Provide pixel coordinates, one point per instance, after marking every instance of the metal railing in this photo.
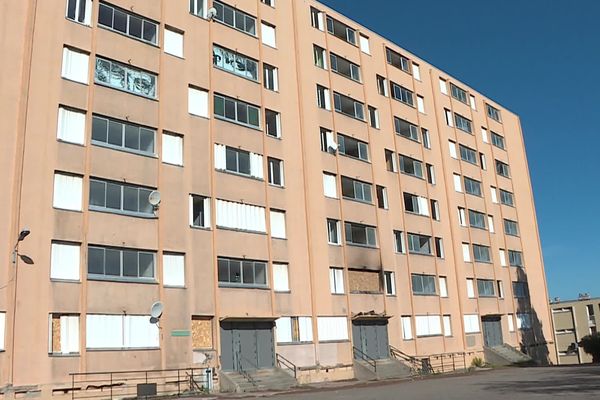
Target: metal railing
(119, 384)
(283, 362)
(358, 354)
(414, 363)
(242, 371)
(433, 363)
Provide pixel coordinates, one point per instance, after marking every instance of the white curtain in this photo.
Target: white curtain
(284, 329)
(75, 65)
(278, 224)
(457, 183)
(423, 206)
(332, 328)
(452, 148)
(174, 270)
(69, 334)
(240, 216)
(138, 332)
(173, 43)
(104, 331)
(220, 157)
(443, 287)
(64, 261)
(406, 328)
(67, 192)
(305, 328)
(256, 166)
(443, 86)
(503, 258)
(71, 126)
(172, 149)
(447, 326)
(268, 34)
(471, 323)
(470, 289)
(281, 278)
(198, 102)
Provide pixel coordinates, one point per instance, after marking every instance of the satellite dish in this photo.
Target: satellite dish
(211, 13)
(333, 146)
(156, 310)
(154, 320)
(154, 198)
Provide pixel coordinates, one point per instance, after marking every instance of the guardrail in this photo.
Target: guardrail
(287, 364)
(434, 363)
(370, 361)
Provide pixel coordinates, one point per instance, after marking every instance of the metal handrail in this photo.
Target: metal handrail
(281, 360)
(414, 362)
(371, 361)
(433, 363)
(243, 372)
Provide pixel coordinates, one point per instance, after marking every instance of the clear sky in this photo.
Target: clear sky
(541, 60)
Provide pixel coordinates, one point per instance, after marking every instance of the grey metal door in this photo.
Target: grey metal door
(492, 331)
(247, 345)
(371, 338)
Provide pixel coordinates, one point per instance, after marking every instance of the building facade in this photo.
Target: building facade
(283, 180)
(574, 319)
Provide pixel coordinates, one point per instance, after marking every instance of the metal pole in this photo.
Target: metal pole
(111, 386)
(72, 386)
(178, 384)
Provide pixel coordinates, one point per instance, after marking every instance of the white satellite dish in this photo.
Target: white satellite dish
(154, 198)
(211, 13)
(157, 309)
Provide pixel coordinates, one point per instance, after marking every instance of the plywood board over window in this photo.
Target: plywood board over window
(364, 281)
(202, 334)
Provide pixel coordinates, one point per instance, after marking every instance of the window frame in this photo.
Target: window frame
(121, 277)
(241, 284)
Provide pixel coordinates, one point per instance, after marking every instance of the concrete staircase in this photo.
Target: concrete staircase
(388, 368)
(505, 355)
(259, 380)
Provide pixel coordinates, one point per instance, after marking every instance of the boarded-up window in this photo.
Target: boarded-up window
(63, 334)
(202, 335)
(364, 281)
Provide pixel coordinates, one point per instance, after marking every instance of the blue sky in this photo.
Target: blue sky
(540, 59)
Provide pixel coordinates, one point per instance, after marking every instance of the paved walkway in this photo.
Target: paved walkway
(573, 383)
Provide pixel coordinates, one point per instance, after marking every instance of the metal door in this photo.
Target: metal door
(247, 345)
(371, 338)
(492, 331)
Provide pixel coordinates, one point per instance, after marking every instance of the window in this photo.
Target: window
(523, 320)
(410, 166)
(419, 244)
(500, 286)
(123, 135)
(507, 198)
(390, 283)
(332, 328)
(320, 56)
(457, 182)
(491, 223)
(423, 284)
(484, 135)
(462, 123)
(493, 113)
(237, 111)
(421, 104)
(472, 186)
(458, 93)
(199, 211)
(511, 322)
(202, 332)
(125, 77)
(316, 19)
(430, 173)
(244, 217)
(382, 201)
(482, 161)
(399, 242)
(439, 247)
(382, 87)
(270, 3)
(435, 210)
(481, 253)
(272, 123)
(502, 255)
(128, 23)
(281, 281)
(336, 280)
(198, 8)
(238, 161)
(334, 231)
(173, 42)
(79, 11)
(63, 332)
(344, 67)
(428, 325)
(198, 102)
(328, 143)
(467, 154)
(249, 273)
(235, 63)
(485, 288)
(447, 326)
(416, 204)
(462, 220)
(476, 219)
(515, 258)
(121, 332)
(120, 198)
(65, 261)
(402, 94)
(329, 185)
(502, 169)
(406, 328)
(235, 18)
(494, 194)
(511, 227)
(172, 149)
(75, 65)
(359, 234)
(173, 270)
(348, 106)
(397, 60)
(471, 323)
(71, 126)
(470, 288)
(390, 161)
(443, 286)
(364, 44)
(426, 139)
(498, 141)
(353, 148)
(67, 191)
(277, 219)
(520, 290)
(356, 190)
(448, 115)
(270, 77)
(443, 86)
(268, 34)
(406, 129)
(294, 330)
(452, 149)
(416, 71)
(111, 263)
(472, 102)
(373, 117)
(341, 31)
(323, 99)
(275, 171)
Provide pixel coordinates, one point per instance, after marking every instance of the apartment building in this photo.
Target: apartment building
(283, 180)
(574, 319)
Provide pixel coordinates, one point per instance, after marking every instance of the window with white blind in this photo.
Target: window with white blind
(443, 86)
(238, 161)
(329, 185)
(443, 282)
(199, 211)
(65, 261)
(198, 102)
(416, 204)
(281, 281)
(416, 71)
(472, 102)
(364, 44)
(484, 135)
(267, 32)
(67, 191)
(79, 11)
(75, 65)
(240, 216)
(407, 333)
(332, 328)
(447, 325)
(466, 249)
(428, 325)
(336, 280)
(502, 257)
(173, 270)
(491, 224)
(470, 288)
(277, 219)
(173, 42)
(172, 149)
(63, 334)
(494, 194)
(452, 149)
(457, 182)
(462, 219)
(71, 125)
(471, 323)
(120, 332)
(294, 330)
(421, 104)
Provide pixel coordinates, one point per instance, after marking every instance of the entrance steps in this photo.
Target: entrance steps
(258, 380)
(387, 368)
(505, 354)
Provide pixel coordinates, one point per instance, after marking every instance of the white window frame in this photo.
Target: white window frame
(336, 280)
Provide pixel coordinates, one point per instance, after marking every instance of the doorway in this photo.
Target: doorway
(492, 331)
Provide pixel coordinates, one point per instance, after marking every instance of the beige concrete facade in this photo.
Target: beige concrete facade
(35, 34)
(574, 319)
